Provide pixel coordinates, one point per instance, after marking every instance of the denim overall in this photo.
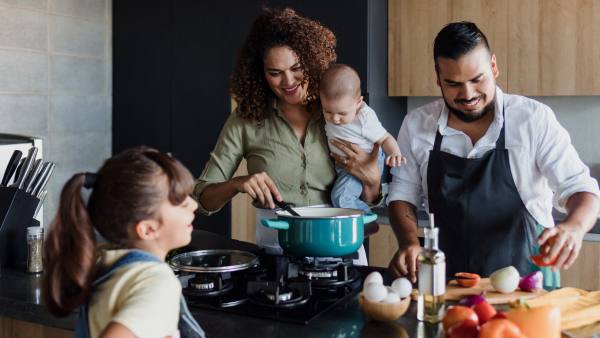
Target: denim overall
(188, 327)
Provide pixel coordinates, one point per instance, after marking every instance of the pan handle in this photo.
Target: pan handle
(275, 224)
(368, 218)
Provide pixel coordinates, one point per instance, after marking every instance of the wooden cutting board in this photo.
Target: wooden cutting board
(456, 292)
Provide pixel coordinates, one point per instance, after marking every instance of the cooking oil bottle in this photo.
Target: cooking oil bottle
(432, 277)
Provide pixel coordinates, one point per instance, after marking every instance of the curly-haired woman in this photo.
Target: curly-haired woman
(278, 126)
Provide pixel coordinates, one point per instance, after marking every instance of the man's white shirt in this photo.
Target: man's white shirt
(543, 162)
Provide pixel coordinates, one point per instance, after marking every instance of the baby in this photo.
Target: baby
(349, 118)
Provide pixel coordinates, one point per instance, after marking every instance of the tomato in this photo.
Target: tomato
(485, 312)
(467, 279)
(500, 328)
(545, 250)
(464, 329)
(458, 313)
(539, 260)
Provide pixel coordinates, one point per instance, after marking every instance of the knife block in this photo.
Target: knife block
(17, 209)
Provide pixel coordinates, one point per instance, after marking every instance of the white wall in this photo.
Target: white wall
(56, 81)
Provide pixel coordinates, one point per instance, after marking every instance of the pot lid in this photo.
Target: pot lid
(321, 212)
(214, 261)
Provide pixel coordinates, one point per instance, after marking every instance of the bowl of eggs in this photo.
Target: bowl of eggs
(384, 303)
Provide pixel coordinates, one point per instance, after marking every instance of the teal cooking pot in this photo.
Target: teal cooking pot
(320, 232)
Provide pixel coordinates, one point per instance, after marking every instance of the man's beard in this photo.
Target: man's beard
(472, 117)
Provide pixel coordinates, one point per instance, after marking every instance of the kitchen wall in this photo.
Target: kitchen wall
(55, 81)
(580, 115)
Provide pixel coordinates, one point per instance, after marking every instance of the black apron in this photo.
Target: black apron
(484, 225)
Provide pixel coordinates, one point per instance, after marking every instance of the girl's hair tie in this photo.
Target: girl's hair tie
(90, 180)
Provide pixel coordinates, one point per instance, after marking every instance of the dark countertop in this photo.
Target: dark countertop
(20, 299)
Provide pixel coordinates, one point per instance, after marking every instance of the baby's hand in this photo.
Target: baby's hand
(395, 160)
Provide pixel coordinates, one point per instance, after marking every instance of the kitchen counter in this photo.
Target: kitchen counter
(20, 299)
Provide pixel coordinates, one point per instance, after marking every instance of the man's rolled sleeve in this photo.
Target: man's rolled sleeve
(559, 162)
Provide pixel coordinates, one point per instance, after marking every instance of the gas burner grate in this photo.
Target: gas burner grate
(293, 298)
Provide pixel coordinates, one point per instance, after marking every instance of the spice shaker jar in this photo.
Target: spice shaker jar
(35, 240)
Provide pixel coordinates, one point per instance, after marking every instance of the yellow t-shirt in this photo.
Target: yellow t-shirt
(142, 296)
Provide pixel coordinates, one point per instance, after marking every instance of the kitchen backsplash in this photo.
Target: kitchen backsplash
(56, 82)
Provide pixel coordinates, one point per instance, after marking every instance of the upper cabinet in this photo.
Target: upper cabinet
(543, 47)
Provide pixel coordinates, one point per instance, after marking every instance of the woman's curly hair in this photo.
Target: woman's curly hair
(313, 43)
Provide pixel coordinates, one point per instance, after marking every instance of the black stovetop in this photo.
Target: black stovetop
(243, 299)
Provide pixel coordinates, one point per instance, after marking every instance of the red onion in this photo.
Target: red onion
(472, 300)
(531, 282)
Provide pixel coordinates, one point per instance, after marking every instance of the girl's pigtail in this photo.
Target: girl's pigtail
(69, 252)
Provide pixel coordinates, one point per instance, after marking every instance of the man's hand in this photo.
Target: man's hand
(404, 262)
(563, 243)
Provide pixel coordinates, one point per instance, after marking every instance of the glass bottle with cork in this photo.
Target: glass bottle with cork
(432, 277)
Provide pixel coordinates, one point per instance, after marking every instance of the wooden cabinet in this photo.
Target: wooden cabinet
(554, 47)
(382, 246)
(412, 27)
(243, 213)
(585, 273)
(542, 47)
(12, 328)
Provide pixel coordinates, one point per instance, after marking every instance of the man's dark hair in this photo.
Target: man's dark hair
(457, 39)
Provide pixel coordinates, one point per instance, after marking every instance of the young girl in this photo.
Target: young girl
(140, 201)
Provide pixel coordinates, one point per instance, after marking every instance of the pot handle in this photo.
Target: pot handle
(275, 224)
(368, 218)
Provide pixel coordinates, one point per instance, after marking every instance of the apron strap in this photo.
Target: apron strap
(500, 144)
(188, 326)
(438, 141)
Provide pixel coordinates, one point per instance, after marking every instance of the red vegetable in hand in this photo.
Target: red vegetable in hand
(531, 282)
(539, 260)
(544, 251)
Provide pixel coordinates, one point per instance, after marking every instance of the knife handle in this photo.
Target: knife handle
(37, 166)
(44, 180)
(11, 167)
(37, 184)
(31, 154)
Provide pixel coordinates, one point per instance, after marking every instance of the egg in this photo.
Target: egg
(374, 277)
(402, 287)
(391, 297)
(375, 292)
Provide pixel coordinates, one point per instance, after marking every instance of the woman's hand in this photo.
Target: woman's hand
(260, 187)
(361, 165)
